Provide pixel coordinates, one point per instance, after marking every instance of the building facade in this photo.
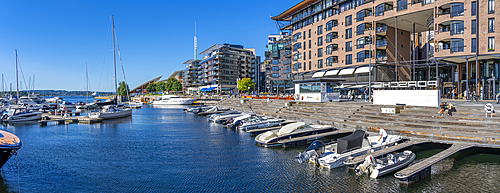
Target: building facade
(278, 63)
(223, 65)
(404, 40)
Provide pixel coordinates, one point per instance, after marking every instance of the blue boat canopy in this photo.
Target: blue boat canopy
(203, 89)
(211, 88)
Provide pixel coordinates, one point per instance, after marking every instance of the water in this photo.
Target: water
(167, 150)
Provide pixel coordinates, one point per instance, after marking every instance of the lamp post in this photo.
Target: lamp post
(370, 67)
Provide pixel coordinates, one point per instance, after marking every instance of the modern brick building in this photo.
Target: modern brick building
(412, 40)
(278, 63)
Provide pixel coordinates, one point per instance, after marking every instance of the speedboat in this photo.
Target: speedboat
(356, 144)
(172, 100)
(220, 117)
(68, 105)
(20, 114)
(9, 144)
(112, 112)
(236, 121)
(290, 131)
(376, 167)
(197, 108)
(261, 123)
(54, 100)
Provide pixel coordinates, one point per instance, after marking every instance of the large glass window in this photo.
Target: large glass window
(320, 63)
(320, 41)
(329, 26)
(402, 4)
(361, 57)
(329, 37)
(348, 59)
(491, 25)
(360, 43)
(330, 60)
(330, 49)
(457, 9)
(320, 52)
(380, 9)
(348, 20)
(491, 6)
(457, 27)
(276, 61)
(473, 45)
(474, 8)
(320, 30)
(491, 44)
(360, 16)
(310, 87)
(457, 45)
(297, 36)
(360, 30)
(473, 29)
(276, 68)
(348, 33)
(348, 46)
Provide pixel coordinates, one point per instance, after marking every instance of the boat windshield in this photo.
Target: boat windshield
(11, 112)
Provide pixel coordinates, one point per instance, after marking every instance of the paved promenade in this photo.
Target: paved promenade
(469, 124)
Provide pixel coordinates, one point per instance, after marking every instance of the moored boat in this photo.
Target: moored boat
(9, 144)
(16, 114)
(290, 131)
(172, 100)
(376, 167)
(112, 112)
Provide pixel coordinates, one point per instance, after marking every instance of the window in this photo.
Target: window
(329, 26)
(457, 9)
(276, 61)
(309, 33)
(457, 27)
(320, 41)
(473, 45)
(309, 43)
(361, 57)
(402, 4)
(491, 25)
(330, 60)
(491, 6)
(320, 63)
(491, 44)
(320, 30)
(329, 49)
(348, 20)
(297, 36)
(360, 29)
(309, 54)
(304, 35)
(348, 33)
(329, 37)
(380, 9)
(360, 16)
(309, 65)
(474, 8)
(320, 52)
(348, 59)
(304, 66)
(276, 75)
(304, 55)
(348, 46)
(473, 29)
(276, 68)
(297, 46)
(360, 43)
(457, 45)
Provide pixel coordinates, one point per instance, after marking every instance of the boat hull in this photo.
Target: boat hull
(113, 115)
(34, 116)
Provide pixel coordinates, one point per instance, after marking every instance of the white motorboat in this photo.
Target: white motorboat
(290, 131)
(217, 118)
(172, 100)
(354, 145)
(199, 108)
(20, 114)
(54, 100)
(262, 123)
(112, 112)
(67, 105)
(234, 122)
(376, 167)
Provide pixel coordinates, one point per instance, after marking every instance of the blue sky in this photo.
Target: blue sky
(55, 39)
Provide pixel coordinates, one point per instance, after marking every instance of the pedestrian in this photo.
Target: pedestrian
(498, 96)
(383, 134)
(453, 94)
(366, 95)
(349, 95)
(474, 96)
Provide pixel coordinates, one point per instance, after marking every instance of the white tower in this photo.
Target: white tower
(195, 44)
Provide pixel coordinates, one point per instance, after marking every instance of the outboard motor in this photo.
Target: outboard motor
(316, 149)
(365, 168)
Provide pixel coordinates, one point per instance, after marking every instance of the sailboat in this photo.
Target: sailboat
(113, 111)
(18, 113)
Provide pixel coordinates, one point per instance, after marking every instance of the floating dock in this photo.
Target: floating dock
(422, 169)
(304, 140)
(60, 120)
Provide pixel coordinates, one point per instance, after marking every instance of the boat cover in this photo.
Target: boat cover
(315, 145)
(290, 128)
(351, 141)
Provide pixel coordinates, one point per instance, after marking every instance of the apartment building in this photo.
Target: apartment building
(410, 40)
(191, 76)
(223, 65)
(278, 63)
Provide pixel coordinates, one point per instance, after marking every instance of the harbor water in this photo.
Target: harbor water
(167, 150)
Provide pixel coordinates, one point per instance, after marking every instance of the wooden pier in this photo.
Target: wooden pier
(304, 140)
(61, 120)
(422, 169)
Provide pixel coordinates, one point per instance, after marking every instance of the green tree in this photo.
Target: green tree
(169, 84)
(151, 87)
(177, 86)
(246, 84)
(123, 89)
(160, 86)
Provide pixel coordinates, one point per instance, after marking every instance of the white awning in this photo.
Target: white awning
(318, 74)
(359, 86)
(347, 71)
(365, 69)
(332, 73)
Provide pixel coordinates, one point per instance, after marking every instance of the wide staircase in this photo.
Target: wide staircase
(467, 124)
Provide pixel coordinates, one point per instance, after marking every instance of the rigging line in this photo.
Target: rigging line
(22, 73)
(105, 53)
(121, 63)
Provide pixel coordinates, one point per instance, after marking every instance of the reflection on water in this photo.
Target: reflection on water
(167, 150)
(171, 106)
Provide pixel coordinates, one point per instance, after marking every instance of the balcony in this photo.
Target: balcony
(382, 8)
(287, 62)
(382, 30)
(381, 44)
(287, 71)
(382, 58)
(457, 49)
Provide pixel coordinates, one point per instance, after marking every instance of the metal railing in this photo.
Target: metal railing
(381, 29)
(381, 43)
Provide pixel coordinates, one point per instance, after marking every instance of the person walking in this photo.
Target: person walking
(453, 94)
(349, 95)
(366, 95)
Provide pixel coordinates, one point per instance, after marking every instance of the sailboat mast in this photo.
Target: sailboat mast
(87, 81)
(33, 89)
(114, 56)
(17, 80)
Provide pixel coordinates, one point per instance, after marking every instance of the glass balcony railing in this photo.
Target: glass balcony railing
(381, 29)
(381, 43)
